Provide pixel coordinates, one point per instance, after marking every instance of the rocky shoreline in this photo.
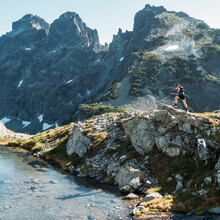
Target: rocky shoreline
(165, 159)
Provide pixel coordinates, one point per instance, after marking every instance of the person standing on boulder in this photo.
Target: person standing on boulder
(180, 95)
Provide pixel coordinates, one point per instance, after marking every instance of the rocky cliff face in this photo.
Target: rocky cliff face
(41, 67)
(47, 71)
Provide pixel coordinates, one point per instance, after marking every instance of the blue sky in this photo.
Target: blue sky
(104, 15)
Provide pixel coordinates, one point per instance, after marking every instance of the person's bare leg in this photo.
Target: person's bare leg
(176, 98)
(184, 102)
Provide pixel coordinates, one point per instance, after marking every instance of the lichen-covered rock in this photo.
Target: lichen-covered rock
(126, 174)
(202, 149)
(135, 183)
(131, 196)
(172, 151)
(162, 142)
(112, 168)
(151, 196)
(78, 143)
(142, 136)
(163, 116)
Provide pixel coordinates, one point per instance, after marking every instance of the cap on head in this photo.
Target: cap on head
(177, 84)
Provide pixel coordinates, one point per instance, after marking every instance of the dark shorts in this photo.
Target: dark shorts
(182, 97)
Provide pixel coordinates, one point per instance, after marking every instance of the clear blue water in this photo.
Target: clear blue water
(32, 189)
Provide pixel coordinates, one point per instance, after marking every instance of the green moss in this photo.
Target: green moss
(190, 168)
(86, 131)
(37, 147)
(168, 19)
(99, 136)
(184, 164)
(96, 109)
(211, 78)
(145, 70)
(202, 25)
(186, 69)
(58, 151)
(113, 92)
(210, 51)
(154, 43)
(180, 67)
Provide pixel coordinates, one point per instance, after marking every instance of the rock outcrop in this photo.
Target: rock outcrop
(164, 155)
(169, 131)
(8, 134)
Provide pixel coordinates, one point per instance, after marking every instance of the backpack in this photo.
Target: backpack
(181, 89)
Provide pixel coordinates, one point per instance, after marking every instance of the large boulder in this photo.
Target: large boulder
(126, 174)
(78, 143)
(141, 133)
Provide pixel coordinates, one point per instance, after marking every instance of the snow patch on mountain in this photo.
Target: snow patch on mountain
(25, 123)
(40, 118)
(36, 26)
(5, 120)
(19, 84)
(46, 126)
(172, 47)
(69, 81)
(182, 48)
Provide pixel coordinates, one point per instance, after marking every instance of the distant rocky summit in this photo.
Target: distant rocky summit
(166, 159)
(47, 71)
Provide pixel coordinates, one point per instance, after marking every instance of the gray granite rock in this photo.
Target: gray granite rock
(151, 197)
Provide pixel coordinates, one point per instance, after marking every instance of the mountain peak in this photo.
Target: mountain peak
(69, 29)
(30, 21)
(145, 17)
(155, 9)
(69, 15)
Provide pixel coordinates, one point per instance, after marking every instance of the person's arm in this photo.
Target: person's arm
(178, 89)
